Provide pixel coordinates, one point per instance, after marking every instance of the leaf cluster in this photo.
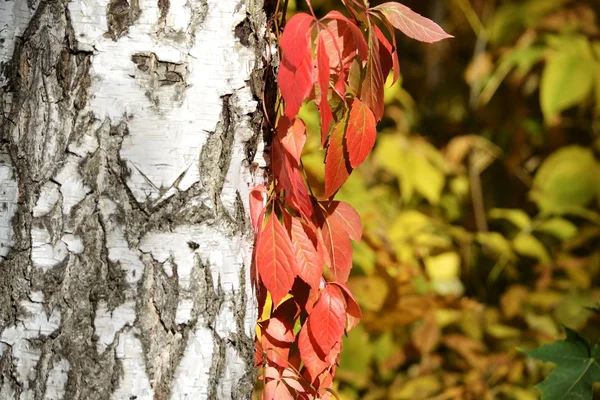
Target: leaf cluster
(303, 253)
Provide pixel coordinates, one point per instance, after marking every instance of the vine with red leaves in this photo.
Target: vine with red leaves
(303, 252)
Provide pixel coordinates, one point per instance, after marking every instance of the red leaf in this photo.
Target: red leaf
(338, 245)
(295, 39)
(314, 362)
(337, 168)
(343, 38)
(412, 24)
(295, 85)
(288, 311)
(286, 171)
(258, 202)
(292, 136)
(278, 330)
(352, 307)
(309, 261)
(276, 339)
(385, 52)
(305, 295)
(323, 67)
(347, 217)
(371, 92)
(291, 378)
(391, 48)
(360, 133)
(327, 321)
(275, 259)
(326, 379)
(275, 389)
(296, 70)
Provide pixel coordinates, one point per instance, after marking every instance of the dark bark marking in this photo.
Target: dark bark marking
(243, 30)
(157, 76)
(120, 15)
(219, 142)
(163, 6)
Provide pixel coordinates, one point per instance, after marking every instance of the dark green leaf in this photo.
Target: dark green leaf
(577, 368)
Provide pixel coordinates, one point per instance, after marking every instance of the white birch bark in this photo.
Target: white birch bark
(128, 130)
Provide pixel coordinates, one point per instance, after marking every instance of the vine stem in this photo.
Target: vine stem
(311, 9)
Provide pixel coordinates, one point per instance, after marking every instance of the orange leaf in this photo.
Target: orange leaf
(347, 216)
(296, 69)
(338, 245)
(360, 133)
(327, 321)
(352, 307)
(309, 261)
(275, 259)
(323, 70)
(292, 136)
(371, 92)
(313, 361)
(258, 202)
(286, 171)
(337, 168)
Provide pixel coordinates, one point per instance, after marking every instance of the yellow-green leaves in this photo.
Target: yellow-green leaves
(568, 77)
(568, 180)
(416, 165)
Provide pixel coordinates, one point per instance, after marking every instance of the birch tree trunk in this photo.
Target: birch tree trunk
(128, 128)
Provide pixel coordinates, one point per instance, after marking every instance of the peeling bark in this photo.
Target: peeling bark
(128, 130)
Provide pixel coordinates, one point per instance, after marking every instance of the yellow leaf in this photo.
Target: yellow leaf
(530, 246)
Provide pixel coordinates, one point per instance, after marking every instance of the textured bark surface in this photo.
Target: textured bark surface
(127, 132)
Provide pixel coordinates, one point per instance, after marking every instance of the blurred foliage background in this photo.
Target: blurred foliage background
(480, 202)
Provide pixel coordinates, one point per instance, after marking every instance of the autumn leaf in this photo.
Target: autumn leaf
(347, 217)
(336, 240)
(286, 170)
(386, 52)
(292, 136)
(296, 69)
(275, 387)
(360, 133)
(337, 168)
(371, 92)
(343, 40)
(275, 259)
(327, 321)
(323, 73)
(305, 295)
(258, 202)
(276, 339)
(354, 314)
(313, 362)
(410, 23)
(309, 261)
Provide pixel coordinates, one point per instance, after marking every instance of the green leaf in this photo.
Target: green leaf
(558, 227)
(517, 217)
(568, 179)
(567, 80)
(577, 368)
(594, 309)
(529, 245)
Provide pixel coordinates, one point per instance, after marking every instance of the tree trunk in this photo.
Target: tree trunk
(128, 130)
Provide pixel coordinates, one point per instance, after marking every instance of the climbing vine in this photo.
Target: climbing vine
(303, 253)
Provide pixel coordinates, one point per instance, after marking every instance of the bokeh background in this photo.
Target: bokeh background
(480, 202)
